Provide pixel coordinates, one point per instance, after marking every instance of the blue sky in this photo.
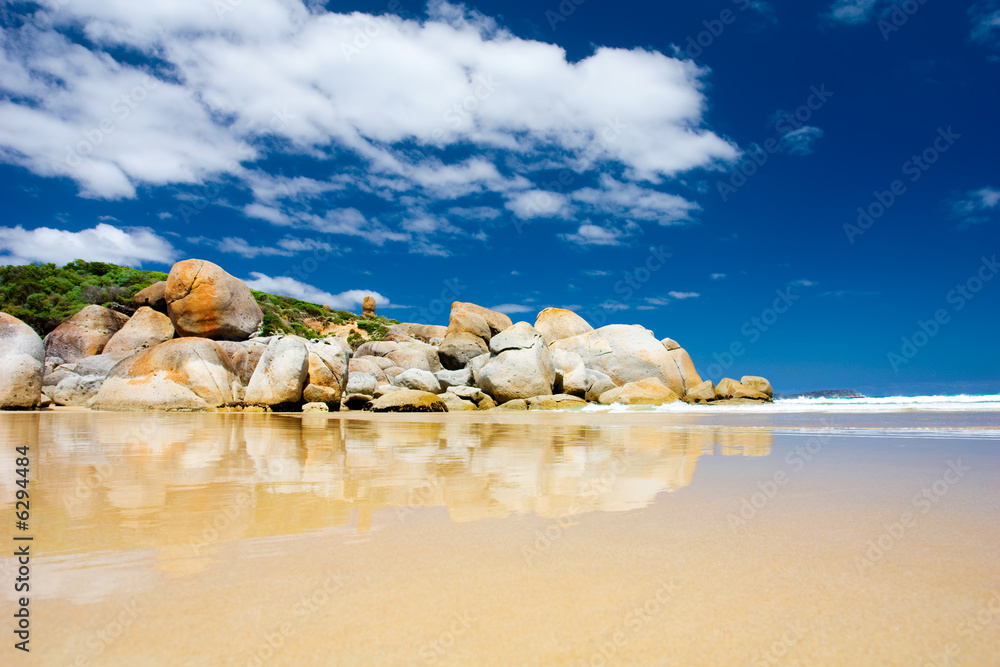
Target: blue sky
(807, 191)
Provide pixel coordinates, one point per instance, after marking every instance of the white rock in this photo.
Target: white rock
(418, 380)
(22, 364)
(281, 374)
(361, 383)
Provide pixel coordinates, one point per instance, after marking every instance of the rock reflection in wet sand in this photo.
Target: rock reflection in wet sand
(167, 482)
(338, 539)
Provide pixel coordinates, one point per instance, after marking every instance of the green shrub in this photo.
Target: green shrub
(45, 295)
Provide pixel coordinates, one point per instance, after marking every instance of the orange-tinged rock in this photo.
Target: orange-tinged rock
(85, 334)
(205, 301)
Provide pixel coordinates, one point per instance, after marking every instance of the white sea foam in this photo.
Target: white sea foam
(961, 403)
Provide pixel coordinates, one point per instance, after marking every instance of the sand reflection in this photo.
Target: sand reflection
(182, 484)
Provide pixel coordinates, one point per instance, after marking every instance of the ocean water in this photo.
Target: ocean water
(888, 404)
(774, 536)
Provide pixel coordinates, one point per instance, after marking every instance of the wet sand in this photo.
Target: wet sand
(532, 538)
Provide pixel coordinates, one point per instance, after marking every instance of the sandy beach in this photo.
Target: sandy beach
(541, 538)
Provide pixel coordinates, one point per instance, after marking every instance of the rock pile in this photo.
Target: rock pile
(194, 345)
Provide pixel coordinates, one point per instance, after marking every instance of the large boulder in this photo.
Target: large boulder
(685, 367)
(458, 349)
(571, 374)
(521, 366)
(456, 404)
(460, 378)
(246, 357)
(419, 380)
(474, 394)
(597, 384)
(368, 307)
(497, 321)
(22, 364)
(281, 374)
(382, 362)
(650, 391)
(558, 323)
(327, 374)
(470, 328)
(205, 301)
(376, 348)
(85, 334)
(466, 321)
(369, 367)
(144, 329)
(758, 383)
(625, 353)
(476, 365)
(409, 357)
(428, 333)
(408, 400)
(729, 388)
(555, 402)
(77, 389)
(364, 384)
(703, 393)
(99, 364)
(153, 296)
(180, 374)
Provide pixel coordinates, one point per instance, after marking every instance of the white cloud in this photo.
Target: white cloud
(977, 206)
(852, 12)
(285, 286)
(475, 212)
(130, 246)
(590, 234)
(285, 247)
(656, 301)
(684, 295)
(351, 222)
(803, 283)
(597, 273)
(613, 305)
(764, 8)
(539, 204)
(717, 276)
(267, 78)
(628, 200)
(511, 308)
(801, 140)
(986, 22)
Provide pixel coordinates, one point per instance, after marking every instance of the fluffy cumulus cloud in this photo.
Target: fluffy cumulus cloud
(406, 113)
(539, 204)
(103, 243)
(297, 289)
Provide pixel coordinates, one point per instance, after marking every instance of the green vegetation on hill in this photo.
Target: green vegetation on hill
(44, 296)
(284, 314)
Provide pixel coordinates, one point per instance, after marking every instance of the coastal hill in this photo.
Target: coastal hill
(44, 296)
